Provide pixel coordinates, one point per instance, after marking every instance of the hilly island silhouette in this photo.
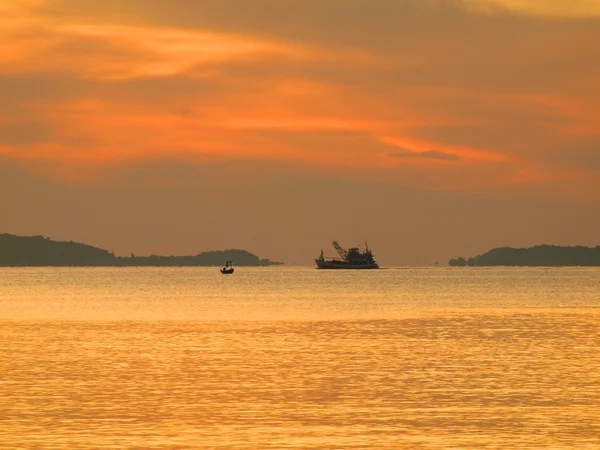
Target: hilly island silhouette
(20, 251)
(537, 256)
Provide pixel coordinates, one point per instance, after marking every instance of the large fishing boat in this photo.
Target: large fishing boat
(352, 258)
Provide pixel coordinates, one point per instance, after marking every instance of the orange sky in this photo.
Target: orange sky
(266, 115)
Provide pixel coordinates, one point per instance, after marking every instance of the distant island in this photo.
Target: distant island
(540, 255)
(20, 251)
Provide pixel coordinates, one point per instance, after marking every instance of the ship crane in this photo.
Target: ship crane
(341, 251)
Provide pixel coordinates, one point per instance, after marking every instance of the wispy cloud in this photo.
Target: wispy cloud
(428, 154)
(543, 8)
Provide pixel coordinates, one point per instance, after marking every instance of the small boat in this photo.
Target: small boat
(228, 268)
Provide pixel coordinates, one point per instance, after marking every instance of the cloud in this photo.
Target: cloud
(131, 80)
(546, 8)
(428, 154)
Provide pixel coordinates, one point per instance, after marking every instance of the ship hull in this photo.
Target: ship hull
(322, 264)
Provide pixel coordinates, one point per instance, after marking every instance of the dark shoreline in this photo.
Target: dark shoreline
(537, 256)
(39, 251)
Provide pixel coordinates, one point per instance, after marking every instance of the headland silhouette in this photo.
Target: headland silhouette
(537, 256)
(20, 251)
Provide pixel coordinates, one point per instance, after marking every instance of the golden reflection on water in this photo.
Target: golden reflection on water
(483, 376)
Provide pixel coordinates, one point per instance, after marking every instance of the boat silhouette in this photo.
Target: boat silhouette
(228, 269)
(352, 258)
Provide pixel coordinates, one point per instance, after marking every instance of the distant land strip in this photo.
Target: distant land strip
(538, 256)
(22, 251)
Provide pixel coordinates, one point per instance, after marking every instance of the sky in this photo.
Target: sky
(430, 129)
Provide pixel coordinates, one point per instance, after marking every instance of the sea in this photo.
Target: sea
(298, 358)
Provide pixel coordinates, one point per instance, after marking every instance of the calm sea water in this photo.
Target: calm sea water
(296, 358)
